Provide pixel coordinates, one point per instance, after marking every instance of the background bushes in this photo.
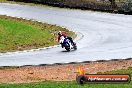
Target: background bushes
(125, 6)
(102, 5)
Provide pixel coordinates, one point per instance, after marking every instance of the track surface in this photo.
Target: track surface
(101, 36)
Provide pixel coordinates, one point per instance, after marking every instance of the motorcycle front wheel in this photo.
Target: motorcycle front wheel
(67, 48)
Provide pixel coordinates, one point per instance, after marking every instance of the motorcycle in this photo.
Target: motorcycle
(66, 43)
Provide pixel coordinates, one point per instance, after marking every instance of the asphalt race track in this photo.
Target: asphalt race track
(101, 36)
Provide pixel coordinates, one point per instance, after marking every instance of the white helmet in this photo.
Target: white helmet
(59, 33)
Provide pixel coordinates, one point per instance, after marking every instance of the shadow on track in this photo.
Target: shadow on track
(68, 51)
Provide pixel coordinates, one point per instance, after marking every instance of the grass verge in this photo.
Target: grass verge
(73, 84)
(20, 34)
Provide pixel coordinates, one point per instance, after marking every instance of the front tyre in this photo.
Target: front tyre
(67, 48)
(75, 46)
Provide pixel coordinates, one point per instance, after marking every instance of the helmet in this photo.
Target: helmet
(59, 33)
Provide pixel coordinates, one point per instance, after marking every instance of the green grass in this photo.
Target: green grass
(19, 34)
(73, 84)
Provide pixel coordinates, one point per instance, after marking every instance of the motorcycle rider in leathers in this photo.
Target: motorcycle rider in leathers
(60, 33)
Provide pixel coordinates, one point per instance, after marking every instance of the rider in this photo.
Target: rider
(65, 35)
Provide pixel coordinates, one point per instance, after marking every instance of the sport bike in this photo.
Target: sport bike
(66, 43)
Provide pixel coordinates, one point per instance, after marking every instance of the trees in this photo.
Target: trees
(126, 6)
(113, 4)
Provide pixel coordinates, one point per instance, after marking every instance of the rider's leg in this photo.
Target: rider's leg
(61, 45)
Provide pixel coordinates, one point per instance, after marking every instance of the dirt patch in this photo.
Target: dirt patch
(57, 72)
